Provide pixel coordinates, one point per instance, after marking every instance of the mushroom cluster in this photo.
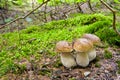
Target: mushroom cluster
(83, 49)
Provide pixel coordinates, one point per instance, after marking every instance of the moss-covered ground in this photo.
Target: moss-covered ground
(38, 40)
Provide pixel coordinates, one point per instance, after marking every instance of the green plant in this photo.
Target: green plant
(118, 62)
(97, 65)
(107, 54)
(72, 79)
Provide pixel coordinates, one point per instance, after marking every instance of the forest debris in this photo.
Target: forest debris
(118, 77)
(85, 8)
(28, 66)
(87, 73)
(44, 78)
(23, 61)
(107, 70)
(31, 40)
(31, 75)
(114, 16)
(26, 15)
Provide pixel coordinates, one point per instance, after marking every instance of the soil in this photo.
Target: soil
(52, 69)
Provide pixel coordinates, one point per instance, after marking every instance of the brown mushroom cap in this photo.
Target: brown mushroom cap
(63, 46)
(95, 39)
(82, 45)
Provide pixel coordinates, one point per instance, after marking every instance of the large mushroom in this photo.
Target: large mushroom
(65, 50)
(82, 46)
(95, 41)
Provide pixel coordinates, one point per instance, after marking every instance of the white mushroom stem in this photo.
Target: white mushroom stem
(82, 59)
(82, 46)
(92, 54)
(95, 40)
(67, 60)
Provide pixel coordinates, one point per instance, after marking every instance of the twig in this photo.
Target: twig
(89, 4)
(79, 7)
(114, 16)
(23, 17)
(45, 12)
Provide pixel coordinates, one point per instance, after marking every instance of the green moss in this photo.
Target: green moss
(109, 35)
(104, 30)
(96, 61)
(45, 71)
(34, 38)
(58, 63)
(107, 54)
(72, 79)
(31, 29)
(118, 62)
(98, 26)
(97, 58)
(97, 65)
(7, 66)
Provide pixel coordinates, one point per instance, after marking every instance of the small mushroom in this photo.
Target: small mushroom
(93, 38)
(82, 46)
(65, 50)
(95, 41)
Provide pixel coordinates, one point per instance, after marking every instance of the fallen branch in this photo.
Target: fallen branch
(89, 4)
(114, 16)
(79, 7)
(23, 17)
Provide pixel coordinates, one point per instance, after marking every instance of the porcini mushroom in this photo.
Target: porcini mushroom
(82, 46)
(93, 38)
(95, 41)
(65, 49)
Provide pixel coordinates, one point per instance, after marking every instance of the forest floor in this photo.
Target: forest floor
(104, 67)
